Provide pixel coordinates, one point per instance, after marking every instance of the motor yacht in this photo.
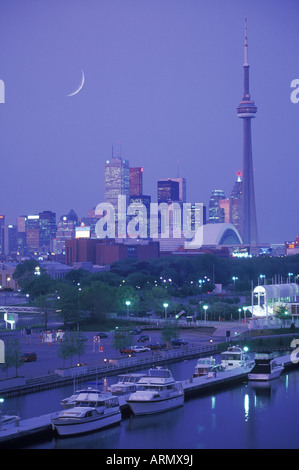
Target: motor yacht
(233, 357)
(156, 392)
(89, 394)
(265, 368)
(88, 416)
(205, 365)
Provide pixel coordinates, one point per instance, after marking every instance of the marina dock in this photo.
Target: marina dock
(192, 386)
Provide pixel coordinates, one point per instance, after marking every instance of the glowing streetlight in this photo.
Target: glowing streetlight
(128, 303)
(244, 309)
(205, 307)
(165, 305)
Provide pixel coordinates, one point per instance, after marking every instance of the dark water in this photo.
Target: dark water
(240, 417)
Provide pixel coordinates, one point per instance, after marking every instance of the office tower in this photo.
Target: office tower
(2, 223)
(10, 239)
(225, 207)
(66, 230)
(21, 234)
(146, 202)
(117, 180)
(216, 213)
(32, 233)
(236, 203)
(136, 181)
(182, 187)
(168, 191)
(246, 111)
(47, 231)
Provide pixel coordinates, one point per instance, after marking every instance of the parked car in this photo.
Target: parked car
(143, 339)
(29, 357)
(156, 346)
(136, 331)
(102, 335)
(127, 350)
(178, 342)
(139, 349)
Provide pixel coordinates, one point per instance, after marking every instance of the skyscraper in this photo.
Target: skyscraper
(168, 191)
(182, 187)
(47, 230)
(117, 180)
(216, 213)
(246, 111)
(236, 206)
(136, 181)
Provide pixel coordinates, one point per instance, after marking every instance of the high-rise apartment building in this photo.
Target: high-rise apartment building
(136, 181)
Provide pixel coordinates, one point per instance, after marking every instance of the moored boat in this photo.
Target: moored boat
(156, 392)
(234, 357)
(84, 417)
(204, 366)
(265, 368)
(126, 384)
(86, 394)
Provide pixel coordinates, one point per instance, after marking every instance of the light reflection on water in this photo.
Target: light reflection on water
(245, 416)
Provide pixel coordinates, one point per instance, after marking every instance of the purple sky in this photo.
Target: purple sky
(163, 77)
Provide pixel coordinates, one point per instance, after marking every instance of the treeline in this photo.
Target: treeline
(147, 284)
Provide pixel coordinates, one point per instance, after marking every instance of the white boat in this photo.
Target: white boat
(156, 392)
(88, 394)
(126, 384)
(204, 366)
(265, 368)
(84, 418)
(9, 420)
(233, 357)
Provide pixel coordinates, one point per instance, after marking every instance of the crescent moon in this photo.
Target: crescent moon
(80, 86)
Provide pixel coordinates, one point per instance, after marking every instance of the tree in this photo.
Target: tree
(170, 331)
(99, 299)
(44, 303)
(13, 354)
(72, 343)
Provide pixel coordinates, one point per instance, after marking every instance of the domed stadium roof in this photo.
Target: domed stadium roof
(216, 234)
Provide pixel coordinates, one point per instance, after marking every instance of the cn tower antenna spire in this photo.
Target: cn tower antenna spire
(246, 45)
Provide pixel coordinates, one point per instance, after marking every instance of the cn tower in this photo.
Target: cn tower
(246, 111)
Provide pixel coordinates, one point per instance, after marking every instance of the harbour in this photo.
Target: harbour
(203, 386)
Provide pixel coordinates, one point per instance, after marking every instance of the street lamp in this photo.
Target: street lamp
(128, 303)
(262, 276)
(235, 278)
(244, 309)
(239, 310)
(290, 274)
(165, 305)
(205, 307)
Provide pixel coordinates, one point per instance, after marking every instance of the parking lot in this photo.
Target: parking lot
(96, 352)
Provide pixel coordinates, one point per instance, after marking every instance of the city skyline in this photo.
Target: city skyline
(158, 95)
